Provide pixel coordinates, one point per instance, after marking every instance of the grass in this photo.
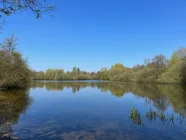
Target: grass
(153, 115)
(135, 116)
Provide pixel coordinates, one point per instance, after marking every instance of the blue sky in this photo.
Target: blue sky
(91, 34)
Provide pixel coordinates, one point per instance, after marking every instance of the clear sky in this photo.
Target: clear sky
(91, 34)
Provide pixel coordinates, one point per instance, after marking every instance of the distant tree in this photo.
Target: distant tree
(138, 67)
(74, 72)
(92, 73)
(104, 74)
(40, 75)
(180, 54)
(116, 69)
(177, 56)
(175, 72)
(78, 71)
(50, 74)
(59, 74)
(83, 77)
(147, 61)
(160, 61)
(183, 71)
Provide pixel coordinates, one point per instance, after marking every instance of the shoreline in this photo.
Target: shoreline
(7, 136)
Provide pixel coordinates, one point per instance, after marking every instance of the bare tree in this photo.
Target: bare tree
(9, 44)
(147, 61)
(9, 7)
(160, 61)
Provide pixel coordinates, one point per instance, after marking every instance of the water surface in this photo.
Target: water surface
(94, 110)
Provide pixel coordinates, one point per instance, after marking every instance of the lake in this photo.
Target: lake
(94, 110)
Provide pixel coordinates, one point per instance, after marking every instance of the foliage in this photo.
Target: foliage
(14, 72)
(116, 69)
(40, 75)
(83, 77)
(124, 77)
(60, 74)
(157, 70)
(103, 74)
(175, 73)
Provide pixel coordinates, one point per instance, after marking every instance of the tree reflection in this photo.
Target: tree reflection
(12, 104)
(160, 95)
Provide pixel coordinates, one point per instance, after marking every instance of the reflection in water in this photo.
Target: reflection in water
(93, 114)
(12, 104)
(155, 116)
(159, 96)
(162, 96)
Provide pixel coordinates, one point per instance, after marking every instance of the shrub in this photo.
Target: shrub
(14, 71)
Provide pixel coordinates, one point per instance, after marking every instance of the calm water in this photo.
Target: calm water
(94, 110)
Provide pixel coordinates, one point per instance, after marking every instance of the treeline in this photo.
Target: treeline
(15, 73)
(156, 70)
(75, 74)
(60, 74)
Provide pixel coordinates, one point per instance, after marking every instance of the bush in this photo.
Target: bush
(14, 71)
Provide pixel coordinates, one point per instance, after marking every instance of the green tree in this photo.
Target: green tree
(116, 69)
(14, 70)
(78, 71)
(175, 72)
(59, 74)
(50, 74)
(104, 74)
(74, 72)
(38, 75)
(160, 62)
